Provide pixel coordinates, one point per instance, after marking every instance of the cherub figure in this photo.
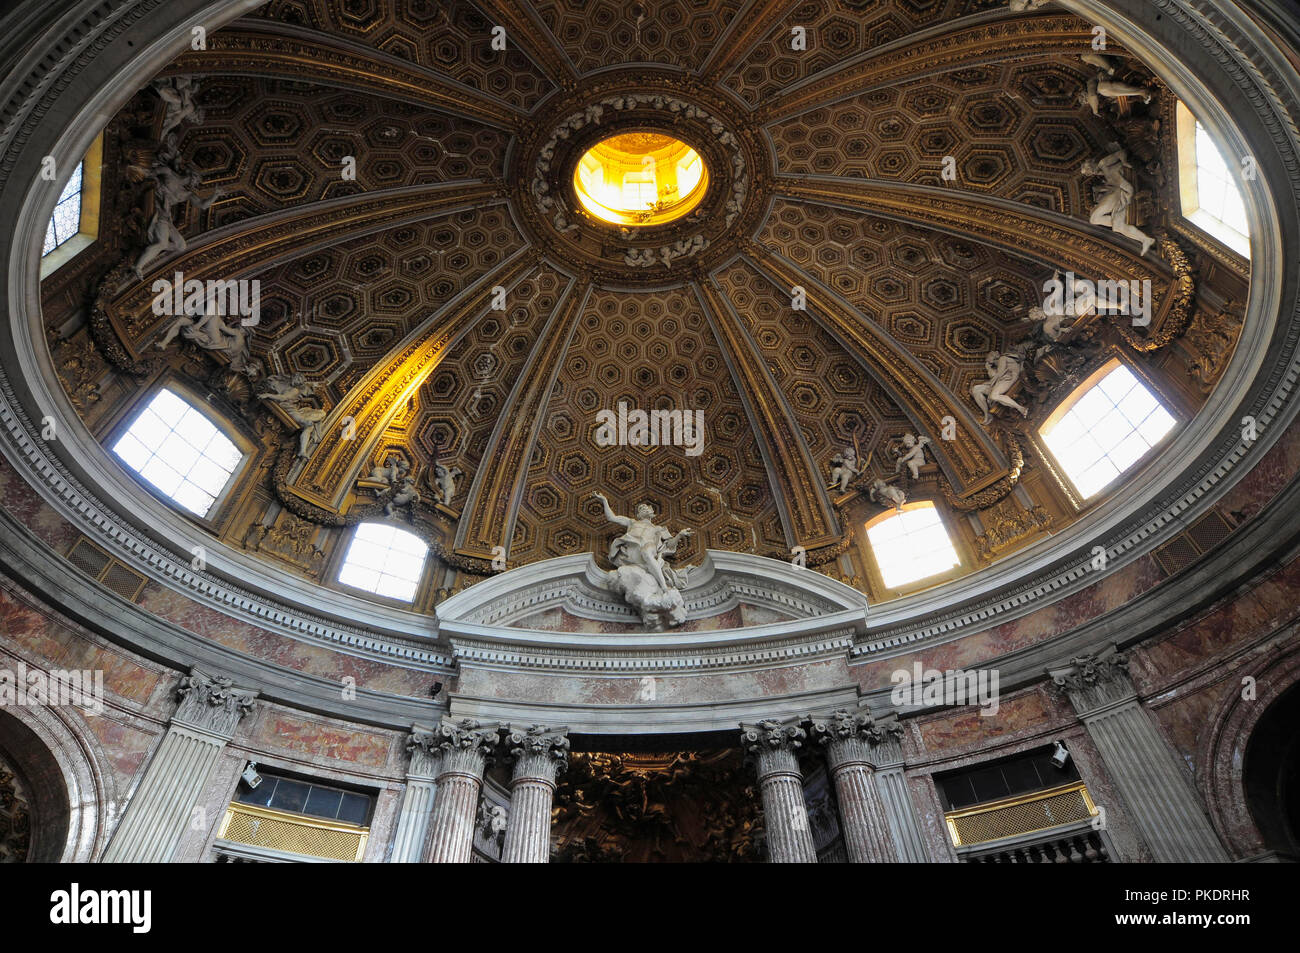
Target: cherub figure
(913, 457)
(406, 494)
(444, 479)
(392, 471)
(844, 467)
(886, 495)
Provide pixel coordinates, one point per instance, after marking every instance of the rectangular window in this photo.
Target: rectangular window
(1104, 428)
(384, 560)
(1207, 186)
(303, 797)
(178, 450)
(911, 545)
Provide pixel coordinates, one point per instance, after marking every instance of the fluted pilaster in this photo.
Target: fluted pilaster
(849, 740)
(771, 747)
(540, 754)
(417, 806)
(209, 712)
(1144, 768)
(466, 748)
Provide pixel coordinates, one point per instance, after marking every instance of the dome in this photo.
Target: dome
(383, 337)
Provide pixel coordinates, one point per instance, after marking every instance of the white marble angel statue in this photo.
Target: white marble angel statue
(641, 573)
(208, 329)
(311, 420)
(178, 95)
(913, 455)
(173, 186)
(1004, 371)
(1115, 196)
(1102, 85)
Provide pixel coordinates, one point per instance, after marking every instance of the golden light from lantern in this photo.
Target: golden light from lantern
(640, 178)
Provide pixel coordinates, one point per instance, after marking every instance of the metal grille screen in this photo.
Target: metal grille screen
(123, 581)
(294, 835)
(88, 558)
(1020, 817)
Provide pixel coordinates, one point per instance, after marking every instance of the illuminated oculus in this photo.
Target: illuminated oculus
(640, 178)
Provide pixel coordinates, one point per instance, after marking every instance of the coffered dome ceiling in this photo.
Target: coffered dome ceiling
(882, 208)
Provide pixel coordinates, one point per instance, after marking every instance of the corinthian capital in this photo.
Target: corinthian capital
(1094, 679)
(466, 747)
(422, 747)
(842, 726)
(212, 703)
(770, 735)
(466, 735)
(538, 741)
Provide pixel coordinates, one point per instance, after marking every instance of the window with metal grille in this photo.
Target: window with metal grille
(993, 781)
(74, 223)
(65, 223)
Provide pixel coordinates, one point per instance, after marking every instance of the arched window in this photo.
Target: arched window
(1207, 186)
(75, 222)
(384, 560)
(911, 545)
(1106, 426)
(176, 448)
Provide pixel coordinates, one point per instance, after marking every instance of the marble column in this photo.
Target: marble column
(849, 739)
(539, 754)
(466, 748)
(417, 806)
(771, 747)
(160, 809)
(1143, 766)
